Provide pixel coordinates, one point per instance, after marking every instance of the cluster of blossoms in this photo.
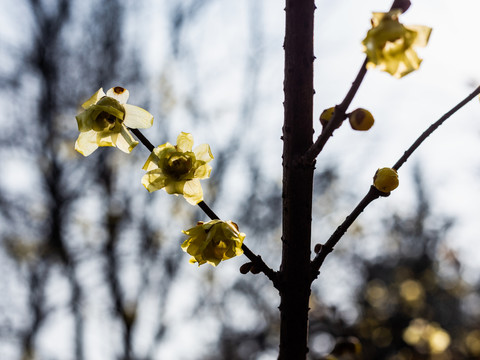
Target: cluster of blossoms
(106, 120)
(178, 169)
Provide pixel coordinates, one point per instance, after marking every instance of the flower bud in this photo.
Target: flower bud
(361, 119)
(245, 268)
(327, 115)
(255, 270)
(386, 179)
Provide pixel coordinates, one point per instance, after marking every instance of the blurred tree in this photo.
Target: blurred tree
(72, 234)
(46, 234)
(88, 271)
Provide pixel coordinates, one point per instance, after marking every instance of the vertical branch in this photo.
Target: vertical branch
(297, 179)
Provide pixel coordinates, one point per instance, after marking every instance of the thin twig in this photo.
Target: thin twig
(327, 248)
(206, 209)
(143, 139)
(433, 127)
(374, 194)
(255, 259)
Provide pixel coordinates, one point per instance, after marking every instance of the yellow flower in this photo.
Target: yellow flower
(386, 179)
(177, 169)
(213, 242)
(389, 44)
(105, 119)
(361, 119)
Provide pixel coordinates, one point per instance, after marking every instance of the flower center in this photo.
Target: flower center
(178, 165)
(109, 115)
(219, 248)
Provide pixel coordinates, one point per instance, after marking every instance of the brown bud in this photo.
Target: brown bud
(245, 268)
(255, 270)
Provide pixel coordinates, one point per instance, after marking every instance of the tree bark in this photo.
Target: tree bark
(295, 277)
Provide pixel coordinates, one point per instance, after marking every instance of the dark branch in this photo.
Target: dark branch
(143, 139)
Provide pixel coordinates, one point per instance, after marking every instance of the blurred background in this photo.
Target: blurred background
(90, 263)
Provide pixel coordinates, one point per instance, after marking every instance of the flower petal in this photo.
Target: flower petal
(203, 152)
(174, 187)
(192, 191)
(119, 93)
(184, 142)
(109, 110)
(203, 172)
(157, 153)
(151, 162)
(86, 143)
(125, 141)
(423, 34)
(137, 118)
(84, 121)
(154, 180)
(94, 99)
(106, 138)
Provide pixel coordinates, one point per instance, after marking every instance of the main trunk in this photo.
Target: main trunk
(297, 180)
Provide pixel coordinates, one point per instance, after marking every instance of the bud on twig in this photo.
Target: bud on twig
(245, 268)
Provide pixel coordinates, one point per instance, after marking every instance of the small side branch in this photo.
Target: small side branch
(433, 127)
(142, 139)
(209, 212)
(327, 248)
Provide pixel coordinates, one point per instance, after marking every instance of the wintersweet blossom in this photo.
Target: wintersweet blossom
(213, 242)
(178, 169)
(105, 120)
(389, 44)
